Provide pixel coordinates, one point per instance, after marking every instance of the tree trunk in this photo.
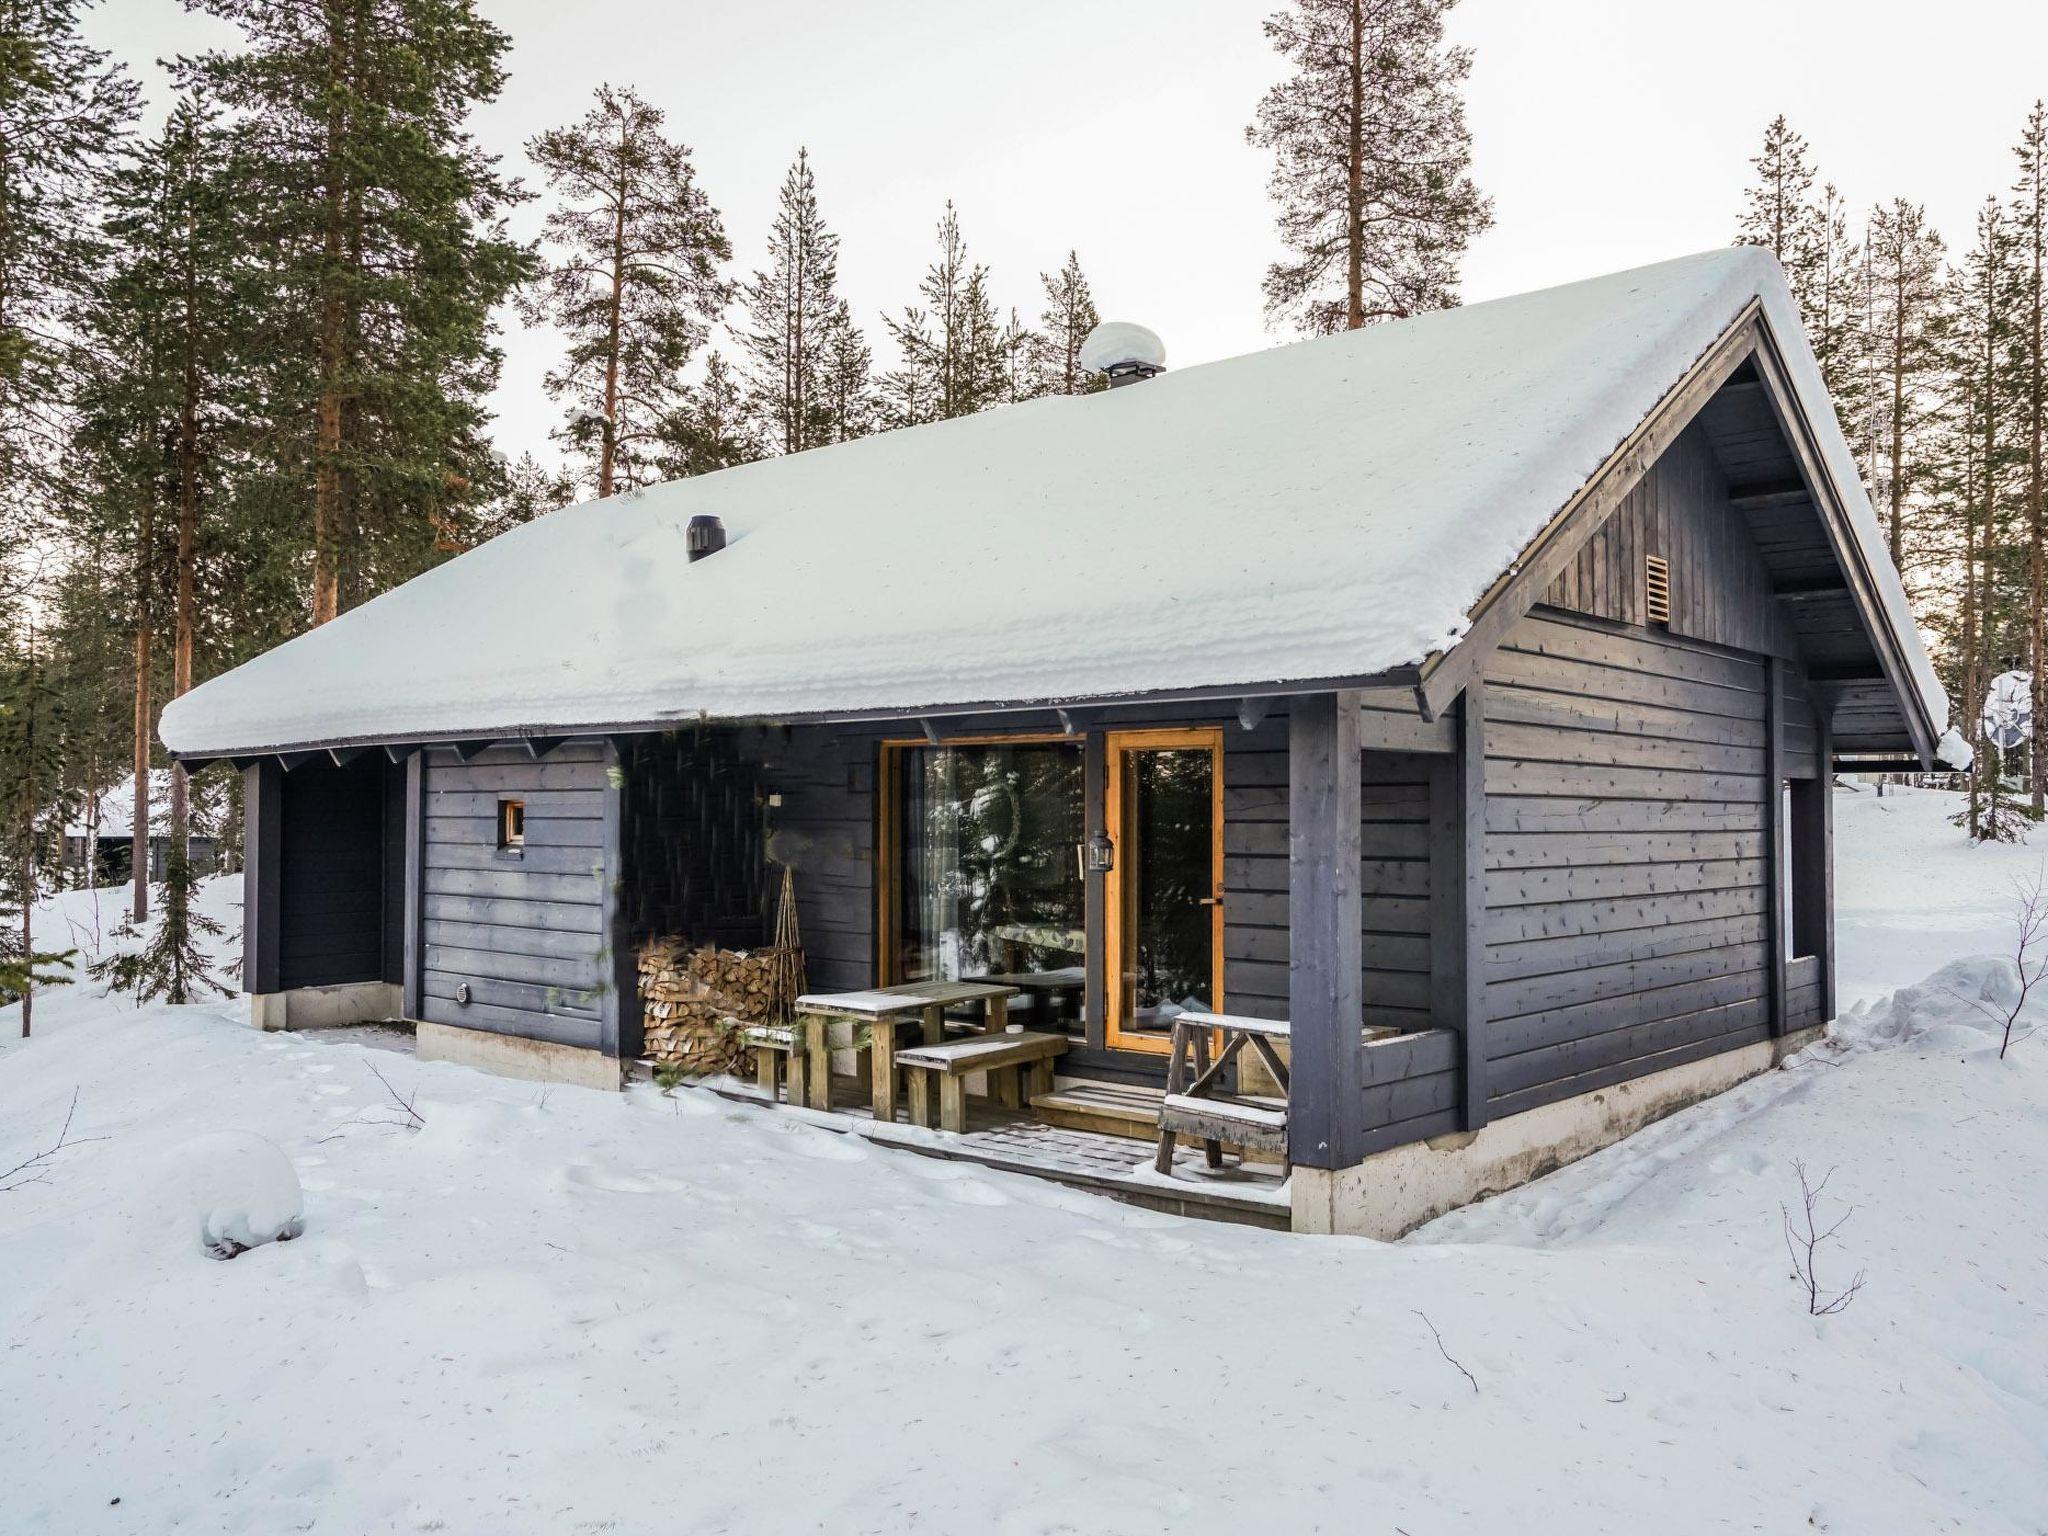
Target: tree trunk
(2038, 758)
(1354, 178)
(145, 713)
(327, 445)
(188, 544)
(608, 452)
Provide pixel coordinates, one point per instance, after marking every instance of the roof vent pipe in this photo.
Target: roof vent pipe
(1125, 353)
(706, 536)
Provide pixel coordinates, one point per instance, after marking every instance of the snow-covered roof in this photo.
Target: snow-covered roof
(1324, 510)
(117, 809)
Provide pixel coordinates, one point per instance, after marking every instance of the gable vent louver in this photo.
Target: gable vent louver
(1657, 589)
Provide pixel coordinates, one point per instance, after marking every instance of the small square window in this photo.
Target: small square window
(511, 823)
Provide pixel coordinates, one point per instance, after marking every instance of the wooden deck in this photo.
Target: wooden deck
(1019, 1141)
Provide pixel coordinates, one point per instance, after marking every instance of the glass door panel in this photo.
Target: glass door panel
(985, 873)
(1165, 898)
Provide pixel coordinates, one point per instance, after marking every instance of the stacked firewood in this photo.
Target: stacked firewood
(695, 1002)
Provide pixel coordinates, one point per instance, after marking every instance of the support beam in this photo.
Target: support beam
(466, 750)
(538, 747)
(1813, 870)
(1851, 674)
(620, 1031)
(1775, 841)
(411, 984)
(1326, 1118)
(1457, 899)
(262, 871)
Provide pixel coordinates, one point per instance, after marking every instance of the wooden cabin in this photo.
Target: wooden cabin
(1462, 691)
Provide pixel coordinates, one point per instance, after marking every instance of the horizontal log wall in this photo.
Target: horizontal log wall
(523, 931)
(1626, 854)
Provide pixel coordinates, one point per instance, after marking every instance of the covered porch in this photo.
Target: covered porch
(1109, 870)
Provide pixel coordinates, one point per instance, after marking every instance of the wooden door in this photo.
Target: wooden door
(1164, 901)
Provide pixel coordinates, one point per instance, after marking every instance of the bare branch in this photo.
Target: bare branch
(36, 1169)
(1802, 1242)
(1445, 1352)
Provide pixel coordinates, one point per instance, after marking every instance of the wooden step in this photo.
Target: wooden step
(1108, 1109)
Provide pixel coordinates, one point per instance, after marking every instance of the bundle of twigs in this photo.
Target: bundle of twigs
(786, 978)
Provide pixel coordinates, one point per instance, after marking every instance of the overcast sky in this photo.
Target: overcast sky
(1609, 132)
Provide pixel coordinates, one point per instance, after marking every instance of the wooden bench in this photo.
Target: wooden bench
(1003, 1057)
(780, 1052)
(1197, 1107)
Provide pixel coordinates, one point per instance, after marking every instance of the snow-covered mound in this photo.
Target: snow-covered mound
(232, 1191)
(1963, 1006)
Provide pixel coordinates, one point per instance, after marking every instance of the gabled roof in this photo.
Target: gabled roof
(1329, 510)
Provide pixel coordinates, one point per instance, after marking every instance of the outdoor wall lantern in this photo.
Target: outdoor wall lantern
(1101, 853)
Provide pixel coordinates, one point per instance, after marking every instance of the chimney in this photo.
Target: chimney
(1123, 352)
(706, 536)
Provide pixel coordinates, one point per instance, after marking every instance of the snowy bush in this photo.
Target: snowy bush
(233, 1191)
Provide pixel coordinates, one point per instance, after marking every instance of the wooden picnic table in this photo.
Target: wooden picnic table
(882, 1009)
(1062, 986)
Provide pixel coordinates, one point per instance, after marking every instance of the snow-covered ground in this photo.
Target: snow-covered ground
(552, 1310)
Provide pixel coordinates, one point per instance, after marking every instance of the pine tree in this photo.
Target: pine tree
(1779, 214)
(1905, 256)
(954, 358)
(1833, 321)
(1372, 168)
(1974, 468)
(63, 111)
(795, 317)
(2030, 219)
(373, 226)
(33, 753)
(711, 429)
(1068, 317)
(632, 280)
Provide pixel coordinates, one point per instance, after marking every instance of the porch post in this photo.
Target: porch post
(1325, 954)
(1776, 843)
(262, 874)
(619, 1008)
(1457, 899)
(415, 881)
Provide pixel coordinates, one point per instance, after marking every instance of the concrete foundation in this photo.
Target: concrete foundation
(1396, 1191)
(538, 1061)
(355, 1002)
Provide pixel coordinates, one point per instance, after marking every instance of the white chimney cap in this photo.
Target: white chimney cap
(1115, 344)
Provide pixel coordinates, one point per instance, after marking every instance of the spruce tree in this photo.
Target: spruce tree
(711, 428)
(1905, 255)
(1372, 170)
(795, 312)
(845, 385)
(372, 223)
(1068, 317)
(64, 109)
(634, 248)
(1779, 214)
(953, 347)
(1833, 321)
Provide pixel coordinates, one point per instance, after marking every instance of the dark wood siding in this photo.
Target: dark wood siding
(1720, 586)
(824, 829)
(523, 932)
(331, 874)
(1625, 850)
(1394, 871)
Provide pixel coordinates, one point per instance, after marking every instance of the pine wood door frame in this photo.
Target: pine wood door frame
(1119, 743)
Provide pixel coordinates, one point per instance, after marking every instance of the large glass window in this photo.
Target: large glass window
(988, 852)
